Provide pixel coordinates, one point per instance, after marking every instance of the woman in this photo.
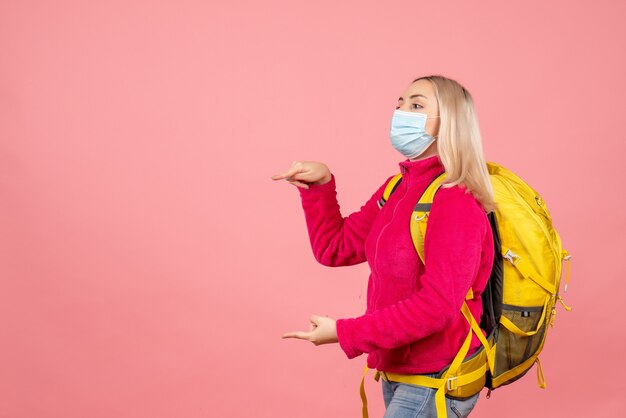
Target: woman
(412, 324)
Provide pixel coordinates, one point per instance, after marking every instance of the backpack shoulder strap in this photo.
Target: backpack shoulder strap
(419, 217)
(390, 188)
(419, 220)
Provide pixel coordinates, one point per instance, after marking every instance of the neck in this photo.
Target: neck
(424, 156)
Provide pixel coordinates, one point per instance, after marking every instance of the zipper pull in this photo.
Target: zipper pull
(566, 257)
(560, 299)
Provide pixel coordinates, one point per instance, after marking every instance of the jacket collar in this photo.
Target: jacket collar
(428, 168)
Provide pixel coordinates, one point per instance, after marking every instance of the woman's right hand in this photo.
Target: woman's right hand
(303, 172)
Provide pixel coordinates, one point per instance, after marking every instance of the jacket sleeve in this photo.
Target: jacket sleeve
(337, 240)
(453, 245)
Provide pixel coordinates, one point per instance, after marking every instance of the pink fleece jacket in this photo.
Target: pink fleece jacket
(413, 323)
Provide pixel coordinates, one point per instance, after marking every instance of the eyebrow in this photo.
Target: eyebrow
(415, 95)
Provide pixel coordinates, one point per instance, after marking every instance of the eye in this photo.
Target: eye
(416, 104)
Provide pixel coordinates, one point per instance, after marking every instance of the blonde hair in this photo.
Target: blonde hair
(459, 142)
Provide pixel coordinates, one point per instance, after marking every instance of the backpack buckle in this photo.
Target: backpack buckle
(452, 383)
(511, 256)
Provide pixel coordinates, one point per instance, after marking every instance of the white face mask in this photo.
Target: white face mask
(408, 134)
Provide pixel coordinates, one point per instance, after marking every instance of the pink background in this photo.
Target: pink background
(149, 265)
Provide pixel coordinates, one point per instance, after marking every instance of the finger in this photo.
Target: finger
(297, 334)
(315, 319)
(299, 184)
(285, 174)
(292, 171)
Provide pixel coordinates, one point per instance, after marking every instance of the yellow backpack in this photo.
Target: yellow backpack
(518, 301)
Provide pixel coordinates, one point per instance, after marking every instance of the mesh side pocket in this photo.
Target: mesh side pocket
(515, 349)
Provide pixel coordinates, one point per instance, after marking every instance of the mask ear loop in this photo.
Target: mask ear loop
(435, 136)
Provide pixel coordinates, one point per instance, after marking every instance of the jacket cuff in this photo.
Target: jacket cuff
(319, 188)
(344, 335)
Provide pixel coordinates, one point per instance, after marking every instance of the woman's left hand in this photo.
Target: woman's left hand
(322, 330)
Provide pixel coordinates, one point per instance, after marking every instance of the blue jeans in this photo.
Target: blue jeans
(409, 401)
